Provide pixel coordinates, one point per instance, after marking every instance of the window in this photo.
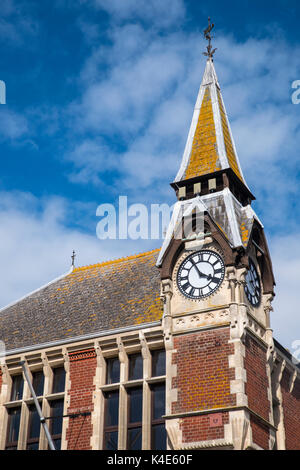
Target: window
(111, 420)
(22, 416)
(158, 363)
(14, 415)
(34, 426)
(59, 377)
(135, 367)
(56, 421)
(17, 388)
(38, 383)
(138, 393)
(112, 370)
(135, 417)
(158, 430)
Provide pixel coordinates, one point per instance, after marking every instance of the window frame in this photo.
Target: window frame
(144, 381)
(156, 421)
(110, 428)
(24, 404)
(32, 440)
(14, 444)
(135, 424)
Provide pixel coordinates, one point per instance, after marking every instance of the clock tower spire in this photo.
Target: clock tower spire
(217, 285)
(210, 160)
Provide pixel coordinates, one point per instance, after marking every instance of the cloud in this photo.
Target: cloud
(160, 13)
(120, 104)
(91, 158)
(38, 237)
(138, 94)
(13, 125)
(286, 261)
(16, 23)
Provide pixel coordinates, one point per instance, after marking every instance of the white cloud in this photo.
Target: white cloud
(162, 13)
(286, 262)
(13, 125)
(91, 158)
(16, 23)
(141, 88)
(121, 103)
(37, 242)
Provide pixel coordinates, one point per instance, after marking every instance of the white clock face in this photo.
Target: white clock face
(252, 287)
(201, 274)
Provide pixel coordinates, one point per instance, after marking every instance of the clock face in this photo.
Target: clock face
(201, 274)
(252, 287)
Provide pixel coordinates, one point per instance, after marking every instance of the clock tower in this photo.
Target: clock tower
(217, 286)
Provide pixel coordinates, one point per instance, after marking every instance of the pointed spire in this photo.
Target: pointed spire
(210, 146)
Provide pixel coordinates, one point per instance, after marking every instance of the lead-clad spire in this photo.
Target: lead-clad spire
(210, 145)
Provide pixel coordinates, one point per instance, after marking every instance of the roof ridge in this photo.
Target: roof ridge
(114, 261)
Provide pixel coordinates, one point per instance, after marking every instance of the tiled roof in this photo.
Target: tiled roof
(204, 154)
(104, 296)
(210, 146)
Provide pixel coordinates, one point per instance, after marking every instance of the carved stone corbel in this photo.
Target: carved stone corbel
(241, 282)
(144, 345)
(174, 433)
(268, 308)
(166, 296)
(241, 431)
(238, 323)
(122, 352)
(232, 282)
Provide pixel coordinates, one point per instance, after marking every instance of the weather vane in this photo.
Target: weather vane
(210, 51)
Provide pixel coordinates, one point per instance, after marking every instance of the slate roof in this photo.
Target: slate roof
(100, 297)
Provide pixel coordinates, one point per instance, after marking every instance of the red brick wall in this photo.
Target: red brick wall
(203, 380)
(260, 433)
(291, 411)
(82, 372)
(198, 428)
(257, 388)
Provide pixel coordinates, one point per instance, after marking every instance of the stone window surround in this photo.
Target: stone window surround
(122, 346)
(45, 361)
(136, 339)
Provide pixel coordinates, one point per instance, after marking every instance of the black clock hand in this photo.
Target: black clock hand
(197, 269)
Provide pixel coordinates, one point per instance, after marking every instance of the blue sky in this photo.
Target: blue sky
(100, 95)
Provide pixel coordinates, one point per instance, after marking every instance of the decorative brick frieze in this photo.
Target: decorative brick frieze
(82, 355)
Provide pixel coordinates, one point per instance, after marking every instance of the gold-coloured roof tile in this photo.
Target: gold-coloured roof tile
(204, 156)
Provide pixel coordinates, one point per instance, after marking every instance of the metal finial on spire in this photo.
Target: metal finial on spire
(210, 51)
(73, 258)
